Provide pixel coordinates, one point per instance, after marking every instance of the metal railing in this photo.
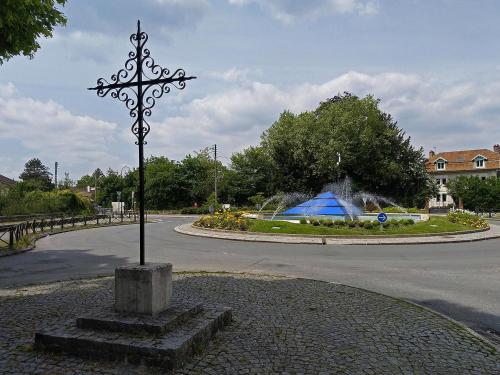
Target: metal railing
(11, 234)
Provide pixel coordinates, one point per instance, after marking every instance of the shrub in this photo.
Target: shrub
(351, 224)
(368, 225)
(393, 222)
(303, 221)
(411, 221)
(315, 222)
(323, 222)
(224, 220)
(467, 218)
(387, 224)
(330, 223)
(339, 223)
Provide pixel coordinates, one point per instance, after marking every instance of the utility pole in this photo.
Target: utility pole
(215, 179)
(55, 174)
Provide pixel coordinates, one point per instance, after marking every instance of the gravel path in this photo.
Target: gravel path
(280, 325)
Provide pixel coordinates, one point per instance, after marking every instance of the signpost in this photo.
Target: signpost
(138, 85)
(382, 218)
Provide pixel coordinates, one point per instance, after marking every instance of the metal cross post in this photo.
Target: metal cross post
(138, 85)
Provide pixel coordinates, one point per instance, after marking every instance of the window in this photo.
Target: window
(483, 178)
(479, 163)
(438, 181)
(438, 198)
(443, 181)
(444, 198)
(440, 165)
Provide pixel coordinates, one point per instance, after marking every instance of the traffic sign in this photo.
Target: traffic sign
(382, 217)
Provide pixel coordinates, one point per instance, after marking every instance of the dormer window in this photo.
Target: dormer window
(440, 165)
(479, 161)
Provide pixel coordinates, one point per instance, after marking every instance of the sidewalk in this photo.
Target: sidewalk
(190, 230)
(280, 326)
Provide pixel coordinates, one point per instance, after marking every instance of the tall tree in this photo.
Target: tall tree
(22, 22)
(36, 175)
(375, 153)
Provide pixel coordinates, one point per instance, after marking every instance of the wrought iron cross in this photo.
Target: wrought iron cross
(138, 85)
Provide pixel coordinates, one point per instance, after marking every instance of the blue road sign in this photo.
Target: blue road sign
(381, 217)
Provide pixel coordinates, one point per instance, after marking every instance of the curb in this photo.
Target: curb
(190, 230)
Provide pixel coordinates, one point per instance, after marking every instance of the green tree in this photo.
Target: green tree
(67, 183)
(375, 153)
(161, 182)
(22, 22)
(35, 176)
(252, 172)
(476, 194)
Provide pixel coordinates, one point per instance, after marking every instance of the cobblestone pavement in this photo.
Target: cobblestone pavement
(279, 326)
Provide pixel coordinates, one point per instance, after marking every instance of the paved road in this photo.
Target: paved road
(460, 280)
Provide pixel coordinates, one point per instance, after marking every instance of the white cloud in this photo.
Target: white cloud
(49, 131)
(434, 113)
(288, 11)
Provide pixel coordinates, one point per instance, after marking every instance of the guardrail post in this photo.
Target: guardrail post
(41, 225)
(73, 221)
(33, 226)
(51, 224)
(109, 219)
(62, 222)
(11, 238)
(85, 221)
(97, 220)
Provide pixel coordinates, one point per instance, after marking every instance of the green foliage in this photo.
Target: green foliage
(42, 202)
(368, 225)
(375, 153)
(339, 223)
(476, 194)
(36, 176)
(314, 222)
(251, 173)
(224, 220)
(467, 218)
(22, 22)
(257, 199)
(303, 221)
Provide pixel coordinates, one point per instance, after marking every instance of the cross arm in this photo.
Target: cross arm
(145, 83)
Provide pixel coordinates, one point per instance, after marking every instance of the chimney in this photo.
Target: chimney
(431, 153)
(496, 148)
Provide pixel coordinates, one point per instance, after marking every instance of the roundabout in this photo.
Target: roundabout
(361, 304)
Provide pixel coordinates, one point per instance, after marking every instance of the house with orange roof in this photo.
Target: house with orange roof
(445, 166)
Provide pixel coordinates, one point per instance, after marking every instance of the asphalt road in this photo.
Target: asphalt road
(461, 280)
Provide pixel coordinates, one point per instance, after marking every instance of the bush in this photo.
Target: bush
(303, 221)
(194, 211)
(351, 224)
(45, 202)
(411, 221)
(330, 223)
(339, 223)
(368, 225)
(467, 218)
(315, 222)
(224, 220)
(387, 224)
(393, 222)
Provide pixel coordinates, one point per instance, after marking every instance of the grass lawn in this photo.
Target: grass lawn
(436, 224)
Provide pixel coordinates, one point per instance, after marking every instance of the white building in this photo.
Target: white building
(444, 166)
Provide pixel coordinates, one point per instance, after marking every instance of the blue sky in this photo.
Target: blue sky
(434, 64)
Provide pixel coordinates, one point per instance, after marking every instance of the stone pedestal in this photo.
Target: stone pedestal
(143, 327)
(143, 289)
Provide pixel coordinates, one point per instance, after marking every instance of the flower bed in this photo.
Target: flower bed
(224, 220)
(467, 218)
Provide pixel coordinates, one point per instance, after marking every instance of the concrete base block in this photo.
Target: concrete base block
(143, 289)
